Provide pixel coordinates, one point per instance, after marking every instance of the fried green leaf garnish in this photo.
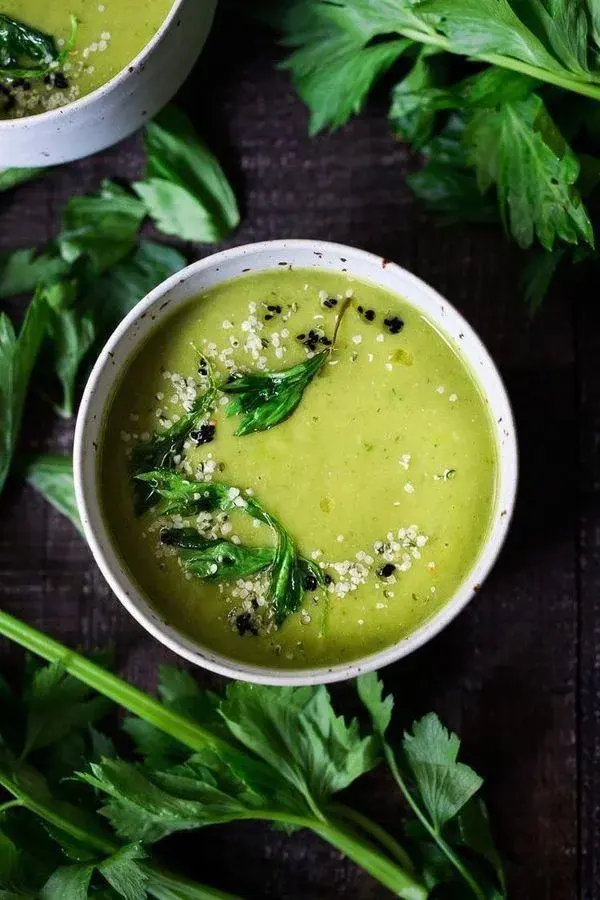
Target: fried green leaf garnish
(216, 560)
(266, 400)
(26, 52)
(165, 448)
(290, 574)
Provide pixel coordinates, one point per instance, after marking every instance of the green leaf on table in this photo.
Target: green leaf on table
(56, 705)
(102, 226)
(418, 97)
(124, 873)
(333, 64)
(22, 270)
(517, 148)
(72, 333)
(18, 355)
(476, 834)
(537, 276)
(185, 190)
(10, 178)
(118, 290)
(481, 27)
(52, 476)
(370, 690)
(296, 731)
(444, 784)
(69, 883)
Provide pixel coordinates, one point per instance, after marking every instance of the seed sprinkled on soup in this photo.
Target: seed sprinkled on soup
(298, 469)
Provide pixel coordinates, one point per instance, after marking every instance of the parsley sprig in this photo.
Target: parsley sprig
(290, 573)
(26, 52)
(275, 754)
(482, 96)
(267, 399)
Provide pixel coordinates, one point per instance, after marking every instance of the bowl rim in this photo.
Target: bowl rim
(128, 71)
(133, 598)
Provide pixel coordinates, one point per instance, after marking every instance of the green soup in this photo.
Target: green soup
(384, 475)
(109, 34)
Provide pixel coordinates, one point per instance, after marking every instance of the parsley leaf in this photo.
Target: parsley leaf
(10, 178)
(296, 731)
(517, 148)
(438, 789)
(185, 190)
(290, 574)
(22, 270)
(266, 400)
(102, 226)
(445, 785)
(163, 449)
(217, 560)
(17, 358)
(52, 476)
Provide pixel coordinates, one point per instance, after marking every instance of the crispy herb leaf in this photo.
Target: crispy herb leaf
(102, 226)
(217, 560)
(17, 358)
(10, 178)
(185, 190)
(288, 571)
(22, 45)
(267, 400)
(52, 476)
(160, 452)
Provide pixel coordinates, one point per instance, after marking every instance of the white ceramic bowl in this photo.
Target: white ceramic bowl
(120, 106)
(175, 292)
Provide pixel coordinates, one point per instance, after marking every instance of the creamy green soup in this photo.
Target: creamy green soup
(108, 36)
(384, 475)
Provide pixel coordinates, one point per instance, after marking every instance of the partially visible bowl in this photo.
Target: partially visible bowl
(119, 107)
(189, 283)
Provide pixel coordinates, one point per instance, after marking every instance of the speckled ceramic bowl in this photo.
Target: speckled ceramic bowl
(141, 322)
(120, 106)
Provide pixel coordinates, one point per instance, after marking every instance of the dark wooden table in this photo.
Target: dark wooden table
(518, 674)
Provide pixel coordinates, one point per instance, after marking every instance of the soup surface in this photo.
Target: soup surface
(384, 475)
(109, 34)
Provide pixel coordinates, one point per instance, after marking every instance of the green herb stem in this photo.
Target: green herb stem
(130, 698)
(11, 804)
(568, 82)
(164, 885)
(478, 891)
(96, 842)
(375, 831)
(401, 882)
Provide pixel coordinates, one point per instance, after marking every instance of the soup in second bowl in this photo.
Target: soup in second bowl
(52, 52)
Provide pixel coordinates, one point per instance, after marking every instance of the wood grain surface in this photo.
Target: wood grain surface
(518, 674)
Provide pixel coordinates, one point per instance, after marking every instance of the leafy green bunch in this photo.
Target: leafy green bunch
(281, 755)
(499, 96)
(98, 268)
